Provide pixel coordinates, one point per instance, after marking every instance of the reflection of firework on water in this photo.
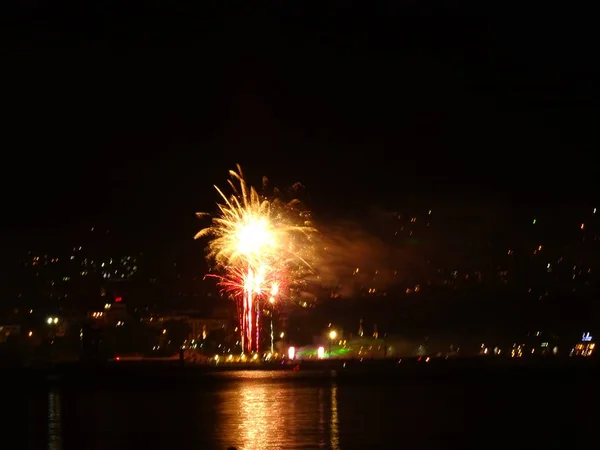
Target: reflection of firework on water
(259, 246)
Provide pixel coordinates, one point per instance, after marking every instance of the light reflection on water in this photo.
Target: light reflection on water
(260, 413)
(287, 410)
(335, 432)
(54, 421)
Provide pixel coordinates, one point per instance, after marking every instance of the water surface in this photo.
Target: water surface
(284, 410)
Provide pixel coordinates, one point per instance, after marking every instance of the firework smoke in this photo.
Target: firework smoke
(351, 257)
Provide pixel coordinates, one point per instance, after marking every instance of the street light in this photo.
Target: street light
(281, 336)
(332, 336)
(53, 323)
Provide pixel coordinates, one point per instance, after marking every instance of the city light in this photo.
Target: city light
(268, 259)
(332, 335)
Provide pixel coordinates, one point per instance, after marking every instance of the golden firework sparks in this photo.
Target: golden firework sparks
(258, 245)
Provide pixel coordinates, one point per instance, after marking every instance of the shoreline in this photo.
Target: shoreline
(474, 369)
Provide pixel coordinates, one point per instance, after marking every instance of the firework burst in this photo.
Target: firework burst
(260, 248)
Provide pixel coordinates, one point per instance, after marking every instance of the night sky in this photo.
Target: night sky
(129, 116)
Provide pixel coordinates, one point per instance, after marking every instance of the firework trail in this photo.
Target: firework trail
(260, 247)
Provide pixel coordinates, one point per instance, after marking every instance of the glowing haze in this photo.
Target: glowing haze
(261, 249)
(350, 258)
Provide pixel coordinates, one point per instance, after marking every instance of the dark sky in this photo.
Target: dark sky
(129, 115)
